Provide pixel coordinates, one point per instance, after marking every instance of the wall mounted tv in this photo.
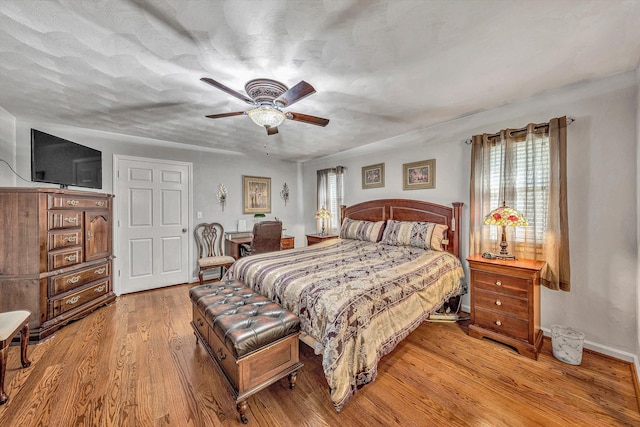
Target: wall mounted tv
(58, 161)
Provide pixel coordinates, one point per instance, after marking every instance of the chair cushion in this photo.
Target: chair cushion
(213, 261)
(11, 322)
(243, 319)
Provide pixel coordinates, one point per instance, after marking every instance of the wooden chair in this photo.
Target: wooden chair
(12, 322)
(209, 237)
(266, 238)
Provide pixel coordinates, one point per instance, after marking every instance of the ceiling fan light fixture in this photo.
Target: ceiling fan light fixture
(266, 116)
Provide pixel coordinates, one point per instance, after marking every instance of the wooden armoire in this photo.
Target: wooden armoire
(55, 254)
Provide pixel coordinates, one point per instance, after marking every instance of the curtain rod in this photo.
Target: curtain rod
(569, 121)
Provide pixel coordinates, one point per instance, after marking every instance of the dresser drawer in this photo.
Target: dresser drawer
(77, 299)
(501, 323)
(70, 202)
(67, 282)
(506, 285)
(501, 303)
(63, 258)
(64, 239)
(62, 219)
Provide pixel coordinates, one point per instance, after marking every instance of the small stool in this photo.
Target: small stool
(10, 323)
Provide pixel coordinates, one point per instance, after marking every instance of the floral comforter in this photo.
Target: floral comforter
(357, 299)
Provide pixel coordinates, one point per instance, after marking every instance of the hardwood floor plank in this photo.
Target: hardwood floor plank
(136, 363)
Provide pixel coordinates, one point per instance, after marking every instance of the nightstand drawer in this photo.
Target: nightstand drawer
(286, 242)
(502, 324)
(506, 285)
(502, 304)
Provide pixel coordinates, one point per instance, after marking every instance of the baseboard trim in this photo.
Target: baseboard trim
(605, 350)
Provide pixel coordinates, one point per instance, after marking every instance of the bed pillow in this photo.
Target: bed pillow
(362, 230)
(427, 235)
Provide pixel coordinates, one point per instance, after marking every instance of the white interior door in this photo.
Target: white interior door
(153, 239)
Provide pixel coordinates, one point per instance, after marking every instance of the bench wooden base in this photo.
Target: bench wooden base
(252, 372)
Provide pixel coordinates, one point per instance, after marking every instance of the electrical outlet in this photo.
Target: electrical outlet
(199, 215)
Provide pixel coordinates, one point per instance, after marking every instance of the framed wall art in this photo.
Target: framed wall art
(418, 175)
(373, 176)
(256, 195)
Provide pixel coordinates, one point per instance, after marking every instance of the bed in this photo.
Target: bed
(359, 295)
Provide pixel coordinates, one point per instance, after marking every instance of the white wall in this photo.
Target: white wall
(637, 352)
(602, 191)
(210, 168)
(7, 148)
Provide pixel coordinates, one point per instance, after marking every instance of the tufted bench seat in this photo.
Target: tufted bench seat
(253, 340)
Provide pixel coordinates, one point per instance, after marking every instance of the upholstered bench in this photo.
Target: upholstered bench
(253, 340)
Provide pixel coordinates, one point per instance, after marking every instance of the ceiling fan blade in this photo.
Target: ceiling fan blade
(228, 90)
(235, 113)
(295, 94)
(272, 130)
(305, 118)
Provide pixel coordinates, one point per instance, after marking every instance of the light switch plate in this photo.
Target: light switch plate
(199, 214)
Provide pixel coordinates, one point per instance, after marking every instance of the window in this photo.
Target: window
(526, 184)
(330, 193)
(525, 169)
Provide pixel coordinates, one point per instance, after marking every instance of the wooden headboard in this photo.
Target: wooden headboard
(410, 210)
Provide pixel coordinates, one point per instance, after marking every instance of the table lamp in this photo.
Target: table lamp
(505, 216)
(323, 214)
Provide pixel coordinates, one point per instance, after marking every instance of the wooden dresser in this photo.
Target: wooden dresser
(505, 302)
(55, 255)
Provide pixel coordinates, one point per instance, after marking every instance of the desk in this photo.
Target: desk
(232, 245)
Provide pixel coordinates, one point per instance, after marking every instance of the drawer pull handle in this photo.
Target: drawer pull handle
(100, 203)
(71, 219)
(200, 323)
(498, 302)
(70, 239)
(73, 279)
(100, 271)
(70, 258)
(99, 288)
(221, 355)
(498, 283)
(72, 202)
(73, 300)
(499, 323)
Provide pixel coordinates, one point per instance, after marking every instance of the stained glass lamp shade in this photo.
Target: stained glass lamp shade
(323, 214)
(504, 217)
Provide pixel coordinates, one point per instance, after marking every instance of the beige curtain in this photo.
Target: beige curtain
(526, 169)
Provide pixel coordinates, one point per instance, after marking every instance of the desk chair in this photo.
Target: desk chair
(11, 322)
(266, 238)
(209, 237)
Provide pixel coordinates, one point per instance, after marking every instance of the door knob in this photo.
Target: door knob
(184, 230)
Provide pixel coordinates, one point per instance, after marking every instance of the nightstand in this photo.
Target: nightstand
(312, 239)
(287, 242)
(505, 302)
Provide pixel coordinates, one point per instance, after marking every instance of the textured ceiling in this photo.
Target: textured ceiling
(380, 68)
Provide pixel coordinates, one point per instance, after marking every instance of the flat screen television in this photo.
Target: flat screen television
(57, 161)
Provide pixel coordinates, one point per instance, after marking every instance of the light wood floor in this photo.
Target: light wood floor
(135, 363)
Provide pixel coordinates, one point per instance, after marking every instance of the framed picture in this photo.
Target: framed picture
(256, 194)
(419, 175)
(373, 176)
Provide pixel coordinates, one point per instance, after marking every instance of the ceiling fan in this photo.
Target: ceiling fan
(269, 98)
